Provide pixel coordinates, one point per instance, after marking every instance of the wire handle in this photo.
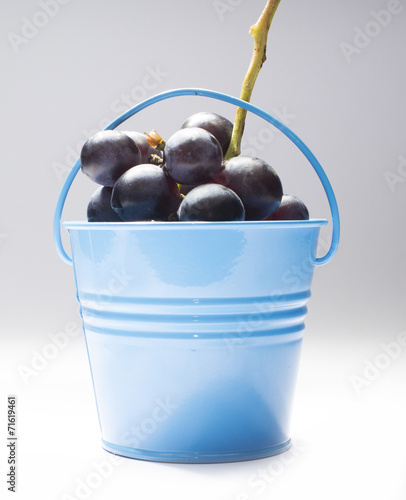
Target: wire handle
(335, 237)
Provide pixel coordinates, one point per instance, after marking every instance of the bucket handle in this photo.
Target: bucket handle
(335, 237)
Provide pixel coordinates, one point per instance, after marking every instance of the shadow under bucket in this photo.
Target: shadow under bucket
(194, 330)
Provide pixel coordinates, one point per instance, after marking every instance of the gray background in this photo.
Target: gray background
(86, 63)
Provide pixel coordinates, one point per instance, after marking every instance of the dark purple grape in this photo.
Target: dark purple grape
(107, 155)
(192, 156)
(145, 192)
(99, 208)
(291, 208)
(255, 182)
(217, 125)
(211, 202)
(146, 149)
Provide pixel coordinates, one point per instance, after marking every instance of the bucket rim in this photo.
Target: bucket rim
(148, 225)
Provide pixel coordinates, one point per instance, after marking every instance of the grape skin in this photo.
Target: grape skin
(145, 193)
(255, 182)
(145, 148)
(211, 202)
(216, 124)
(107, 155)
(99, 208)
(192, 156)
(291, 208)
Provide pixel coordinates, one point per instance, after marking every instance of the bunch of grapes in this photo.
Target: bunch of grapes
(144, 178)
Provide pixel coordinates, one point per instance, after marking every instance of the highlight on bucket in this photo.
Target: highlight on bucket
(194, 328)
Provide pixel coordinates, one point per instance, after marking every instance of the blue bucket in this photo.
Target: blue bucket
(194, 329)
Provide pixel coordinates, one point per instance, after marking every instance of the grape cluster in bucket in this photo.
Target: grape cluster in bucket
(144, 178)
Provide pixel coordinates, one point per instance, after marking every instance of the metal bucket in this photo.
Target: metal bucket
(194, 330)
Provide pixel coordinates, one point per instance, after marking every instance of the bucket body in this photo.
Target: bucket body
(193, 332)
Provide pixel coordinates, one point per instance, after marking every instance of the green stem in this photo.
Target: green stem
(260, 33)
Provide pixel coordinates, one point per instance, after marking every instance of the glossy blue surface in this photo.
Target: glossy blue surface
(194, 333)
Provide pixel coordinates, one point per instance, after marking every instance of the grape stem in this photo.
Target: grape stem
(259, 32)
(155, 140)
